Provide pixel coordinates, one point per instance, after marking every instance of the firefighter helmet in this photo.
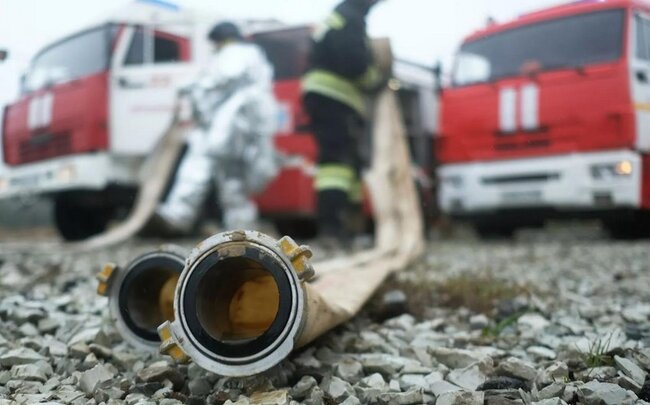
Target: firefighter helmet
(224, 31)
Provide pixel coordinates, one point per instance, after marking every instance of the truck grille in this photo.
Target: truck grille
(43, 147)
(524, 178)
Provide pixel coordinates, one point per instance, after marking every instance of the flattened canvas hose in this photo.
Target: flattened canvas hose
(154, 178)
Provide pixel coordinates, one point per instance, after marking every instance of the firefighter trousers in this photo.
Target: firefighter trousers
(236, 153)
(339, 132)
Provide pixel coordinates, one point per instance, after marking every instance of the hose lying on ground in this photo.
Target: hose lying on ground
(244, 301)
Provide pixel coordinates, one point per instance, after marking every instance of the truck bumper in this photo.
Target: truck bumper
(579, 182)
(68, 173)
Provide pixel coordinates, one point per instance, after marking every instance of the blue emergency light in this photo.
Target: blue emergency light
(162, 3)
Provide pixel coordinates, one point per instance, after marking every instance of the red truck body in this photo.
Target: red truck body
(548, 115)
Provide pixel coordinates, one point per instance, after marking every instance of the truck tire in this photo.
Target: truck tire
(77, 221)
(495, 231)
(629, 227)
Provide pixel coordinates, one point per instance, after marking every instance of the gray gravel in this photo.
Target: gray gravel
(576, 331)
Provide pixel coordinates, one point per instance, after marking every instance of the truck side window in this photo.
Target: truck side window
(167, 48)
(135, 55)
(642, 38)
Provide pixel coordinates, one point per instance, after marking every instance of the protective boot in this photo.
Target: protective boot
(332, 212)
(191, 187)
(355, 220)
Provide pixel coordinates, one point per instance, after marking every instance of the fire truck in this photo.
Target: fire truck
(548, 116)
(95, 103)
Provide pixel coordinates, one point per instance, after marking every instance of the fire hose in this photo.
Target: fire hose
(157, 169)
(244, 301)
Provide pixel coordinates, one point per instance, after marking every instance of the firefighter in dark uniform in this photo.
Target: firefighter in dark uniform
(340, 74)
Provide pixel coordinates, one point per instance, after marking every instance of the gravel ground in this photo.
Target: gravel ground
(558, 316)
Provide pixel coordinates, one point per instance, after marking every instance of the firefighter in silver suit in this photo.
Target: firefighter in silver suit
(232, 143)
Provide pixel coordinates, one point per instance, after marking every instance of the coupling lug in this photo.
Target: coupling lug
(299, 256)
(104, 277)
(169, 345)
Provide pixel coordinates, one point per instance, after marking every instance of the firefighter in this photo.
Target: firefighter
(235, 116)
(341, 71)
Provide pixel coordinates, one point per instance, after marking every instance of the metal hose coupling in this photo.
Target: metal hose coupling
(239, 307)
(141, 295)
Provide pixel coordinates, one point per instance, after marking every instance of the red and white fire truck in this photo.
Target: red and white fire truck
(95, 103)
(549, 115)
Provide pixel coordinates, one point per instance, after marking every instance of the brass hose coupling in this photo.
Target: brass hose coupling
(141, 294)
(239, 305)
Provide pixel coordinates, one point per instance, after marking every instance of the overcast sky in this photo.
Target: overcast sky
(421, 30)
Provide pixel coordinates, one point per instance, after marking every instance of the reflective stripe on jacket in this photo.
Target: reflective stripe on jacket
(336, 87)
(335, 176)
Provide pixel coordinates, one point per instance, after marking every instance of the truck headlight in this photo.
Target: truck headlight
(623, 168)
(66, 174)
(4, 184)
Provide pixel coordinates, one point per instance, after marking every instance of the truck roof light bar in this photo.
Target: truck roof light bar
(162, 4)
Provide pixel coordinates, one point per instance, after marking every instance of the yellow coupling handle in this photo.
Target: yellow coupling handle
(104, 277)
(169, 345)
(299, 257)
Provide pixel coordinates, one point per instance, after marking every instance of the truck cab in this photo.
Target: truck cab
(547, 117)
(93, 105)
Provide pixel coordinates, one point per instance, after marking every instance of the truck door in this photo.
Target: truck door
(640, 78)
(150, 64)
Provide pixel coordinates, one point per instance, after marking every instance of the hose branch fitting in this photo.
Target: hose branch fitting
(239, 307)
(141, 294)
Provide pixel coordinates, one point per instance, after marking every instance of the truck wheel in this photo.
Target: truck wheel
(628, 229)
(494, 231)
(76, 221)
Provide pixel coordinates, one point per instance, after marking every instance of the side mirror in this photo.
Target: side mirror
(23, 83)
(4, 54)
(437, 77)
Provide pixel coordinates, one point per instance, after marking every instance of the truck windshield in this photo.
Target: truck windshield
(570, 42)
(75, 57)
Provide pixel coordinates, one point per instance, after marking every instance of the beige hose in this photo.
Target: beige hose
(345, 285)
(220, 278)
